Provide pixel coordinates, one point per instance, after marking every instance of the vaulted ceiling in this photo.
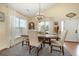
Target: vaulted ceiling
(30, 9)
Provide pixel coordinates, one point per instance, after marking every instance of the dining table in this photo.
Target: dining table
(46, 38)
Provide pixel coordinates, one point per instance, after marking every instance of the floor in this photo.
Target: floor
(19, 50)
(72, 48)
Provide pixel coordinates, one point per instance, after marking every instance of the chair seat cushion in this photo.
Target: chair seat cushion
(36, 44)
(55, 42)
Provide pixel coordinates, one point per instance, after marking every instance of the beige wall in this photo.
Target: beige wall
(5, 26)
(4, 42)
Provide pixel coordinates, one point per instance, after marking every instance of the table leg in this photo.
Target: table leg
(49, 41)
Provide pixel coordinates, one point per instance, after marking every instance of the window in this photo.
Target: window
(17, 28)
(43, 26)
(20, 25)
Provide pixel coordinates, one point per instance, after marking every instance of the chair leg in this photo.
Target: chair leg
(41, 46)
(28, 43)
(62, 50)
(29, 49)
(22, 43)
(50, 49)
(37, 51)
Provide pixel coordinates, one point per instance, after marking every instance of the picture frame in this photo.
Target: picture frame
(2, 16)
(31, 25)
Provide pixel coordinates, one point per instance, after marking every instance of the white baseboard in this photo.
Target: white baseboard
(71, 41)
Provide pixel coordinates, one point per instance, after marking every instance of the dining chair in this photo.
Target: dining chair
(59, 43)
(33, 41)
(49, 38)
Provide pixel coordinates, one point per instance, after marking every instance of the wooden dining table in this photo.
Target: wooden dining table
(51, 36)
(46, 38)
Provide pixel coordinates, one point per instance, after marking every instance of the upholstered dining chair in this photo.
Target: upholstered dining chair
(59, 43)
(33, 41)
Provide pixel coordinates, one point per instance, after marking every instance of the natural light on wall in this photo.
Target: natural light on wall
(62, 25)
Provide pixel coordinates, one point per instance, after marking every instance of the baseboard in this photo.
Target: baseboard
(16, 43)
(72, 41)
(3, 49)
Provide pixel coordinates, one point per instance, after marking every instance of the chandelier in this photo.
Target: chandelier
(39, 16)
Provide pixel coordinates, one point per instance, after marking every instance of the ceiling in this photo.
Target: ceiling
(30, 9)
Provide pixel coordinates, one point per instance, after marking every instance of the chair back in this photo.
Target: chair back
(63, 36)
(33, 37)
